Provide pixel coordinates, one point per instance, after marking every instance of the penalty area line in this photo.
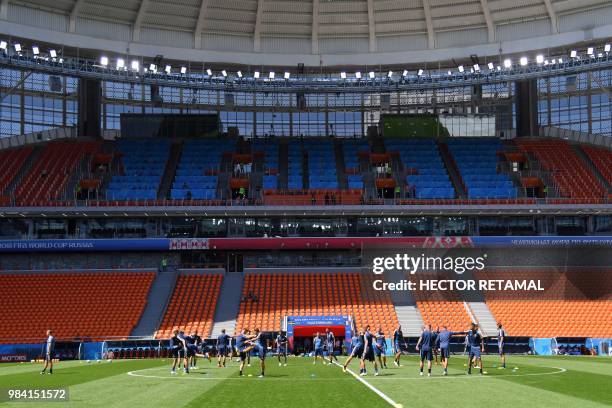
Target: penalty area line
(372, 388)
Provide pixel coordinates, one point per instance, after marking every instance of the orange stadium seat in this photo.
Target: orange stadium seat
(563, 310)
(277, 295)
(75, 305)
(192, 306)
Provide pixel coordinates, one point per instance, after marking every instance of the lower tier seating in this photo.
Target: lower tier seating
(268, 298)
(192, 306)
(74, 305)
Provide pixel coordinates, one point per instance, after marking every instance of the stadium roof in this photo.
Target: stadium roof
(313, 32)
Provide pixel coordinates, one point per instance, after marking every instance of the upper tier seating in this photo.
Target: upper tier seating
(47, 178)
(192, 306)
(313, 294)
(144, 163)
(477, 161)
(196, 174)
(93, 305)
(11, 162)
(270, 149)
(422, 156)
(351, 149)
(295, 165)
(602, 158)
(321, 164)
(568, 170)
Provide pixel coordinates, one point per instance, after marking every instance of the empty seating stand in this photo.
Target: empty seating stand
(46, 179)
(295, 165)
(568, 170)
(94, 305)
(321, 164)
(144, 163)
(270, 149)
(602, 159)
(11, 162)
(427, 175)
(277, 295)
(352, 148)
(192, 305)
(197, 173)
(477, 160)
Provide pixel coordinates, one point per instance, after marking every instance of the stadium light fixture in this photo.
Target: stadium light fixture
(287, 75)
(239, 73)
(209, 72)
(390, 74)
(545, 62)
(420, 72)
(104, 61)
(120, 63)
(523, 61)
(590, 51)
(449, 73)
(256, 75)
(372, 75)
(476, 67)
(224, 73)
(358, 74)
(405, 73)
(271, 75)
(35, 50)
(3, 45)
(343, 75)
(600, 55)
(539, 58)
(17, 47)
(152, 68)
(53, 53)
(607, 48)
(460, 68)
(573, 53)
(183, 70)
(560, 60)
(499, 67)
(507, 63)
(490, 65)
(135, 65)
(168, 69)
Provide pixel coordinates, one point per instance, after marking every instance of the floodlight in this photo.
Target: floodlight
(420, 72)
(372, 75)
(287, 75)
(358, 75)
(607, 48)
(539, 58)
(168, 69)
(239, 73)
(3, 45)
(224, 73)
(405, 73)
(460, 68)
(209, 72)
(135, 65)
(343, 75)
(523, 61)
(508, 63)
(590, 51)
(271, 75)
(183, 70)
(53, 53)
(256, 74)
(390, 74)
(476, 67)
(573, 53)
(35, 50)
(17, 47)
(490, 65)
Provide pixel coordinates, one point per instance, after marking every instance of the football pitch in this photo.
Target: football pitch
(528, 381)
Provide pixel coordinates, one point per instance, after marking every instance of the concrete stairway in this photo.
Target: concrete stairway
(174, 159)
(453, 170)
(410, 319)
(484, 317)
(157, 300)
(591, 166)
(341, 175)
(228, 304)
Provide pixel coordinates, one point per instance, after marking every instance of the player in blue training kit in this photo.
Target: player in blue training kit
(356, 349)
(368, 352)
(281, 347)
(330, 341)
(317, 343)
(222, 348)
(176, 350)
(434, 349)
(197, 342)
(49, 348)
(191, 350)
(443, 343)
(501, 339)
(425, 345)
(241, 342)
(258, 342)
(398, 340)
(476, 345)
(183, 342)
(380, 349)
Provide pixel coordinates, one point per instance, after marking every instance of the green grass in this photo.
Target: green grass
(537, 382)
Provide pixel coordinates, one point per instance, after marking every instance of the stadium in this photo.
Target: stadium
(310, 202)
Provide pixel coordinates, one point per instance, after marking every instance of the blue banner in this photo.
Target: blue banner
(85, 245)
